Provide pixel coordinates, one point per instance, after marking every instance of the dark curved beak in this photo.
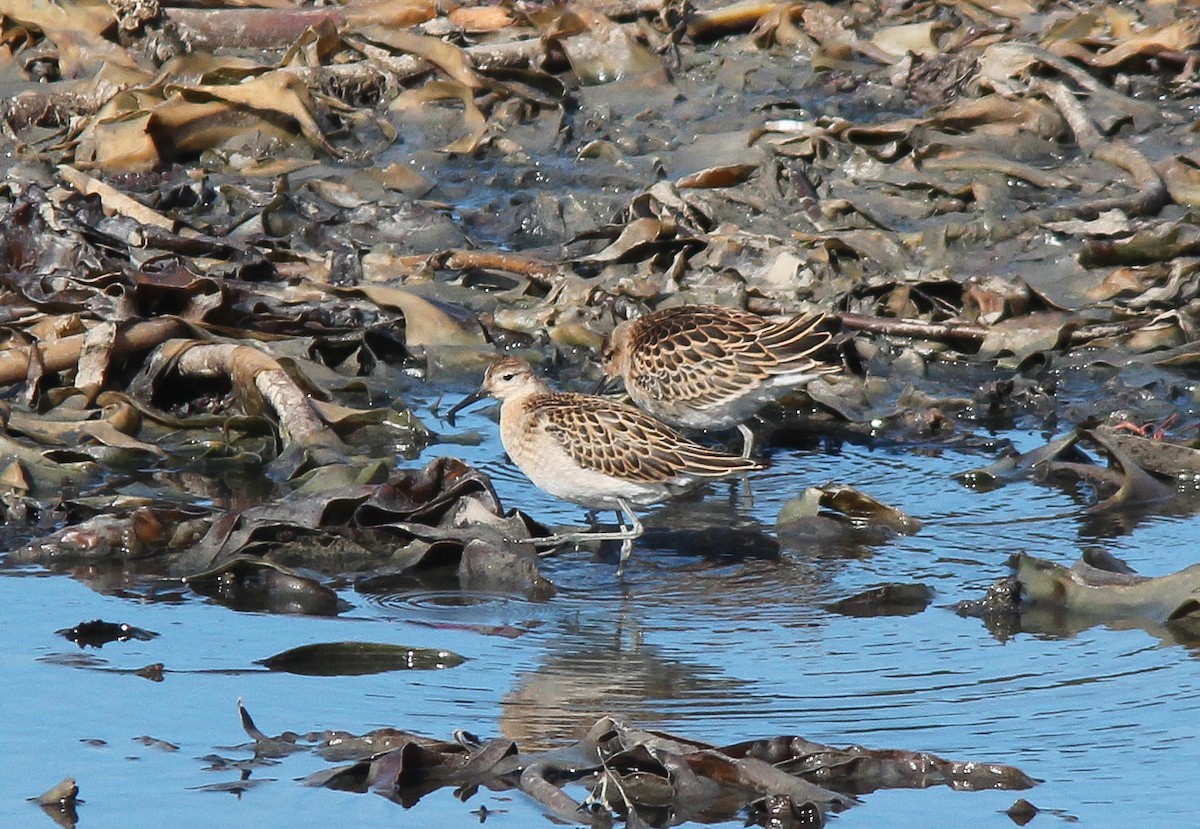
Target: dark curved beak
(473, 397)
(605, 385)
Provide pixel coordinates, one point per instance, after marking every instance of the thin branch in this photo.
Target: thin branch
(971, 334)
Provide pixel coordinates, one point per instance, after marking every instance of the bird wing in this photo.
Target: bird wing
(700, 357)
(802, 344)
(623, 442)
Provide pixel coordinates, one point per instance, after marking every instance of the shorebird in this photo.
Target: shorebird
(594, 451)
(709, 367)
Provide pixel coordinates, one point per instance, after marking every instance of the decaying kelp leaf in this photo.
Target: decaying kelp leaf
(106, 432)
(114, 200)
(59, 802)
(140, 532)
(725, 176)
(257, 585)
(1122, 485)
(1014, 467)
(1042, 596)
(1131, 45)
(634, 236)
(1137, 486)
(860, 770)
(989, 300)
(357, 658)
(1162, 457)
(487, 565)
(98, 633)
(77, 30)
(480, 19)
(474, 121)
(1104, 595)
(444, 515)
(342, 746)
(258, 380)
(63, 793)
(630, 771)
(265, 746)
(428, 323)
(600, 51)
(864, 510)
(1022, 337)
(141, 128)
(885, 600)
(837, 511)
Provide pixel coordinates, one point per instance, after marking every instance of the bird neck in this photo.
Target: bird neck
(515, 406)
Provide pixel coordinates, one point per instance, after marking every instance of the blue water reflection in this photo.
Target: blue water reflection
(722, 642)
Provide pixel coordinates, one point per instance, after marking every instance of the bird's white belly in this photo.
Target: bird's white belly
(552, 470)
(591, 489)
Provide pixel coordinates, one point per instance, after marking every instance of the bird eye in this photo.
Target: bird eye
(508, 376)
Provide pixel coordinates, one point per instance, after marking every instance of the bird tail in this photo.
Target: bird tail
(702, 461)
(803, 343)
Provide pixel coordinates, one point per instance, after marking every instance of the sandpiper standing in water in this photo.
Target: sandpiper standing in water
(596, 452)
(709, 367)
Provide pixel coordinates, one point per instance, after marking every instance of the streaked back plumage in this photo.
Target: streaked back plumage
(709, 367)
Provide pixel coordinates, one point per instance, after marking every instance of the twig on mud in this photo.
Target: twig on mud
(971, 334)
(916, 329)
(541, 271)
(536, 269)
(738, 17)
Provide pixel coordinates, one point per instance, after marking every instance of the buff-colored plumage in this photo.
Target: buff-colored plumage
(708, 367)
(594, 451)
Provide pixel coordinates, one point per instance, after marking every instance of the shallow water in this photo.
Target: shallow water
(719, 636)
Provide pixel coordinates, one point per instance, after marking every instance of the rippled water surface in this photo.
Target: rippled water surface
(717, 635)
